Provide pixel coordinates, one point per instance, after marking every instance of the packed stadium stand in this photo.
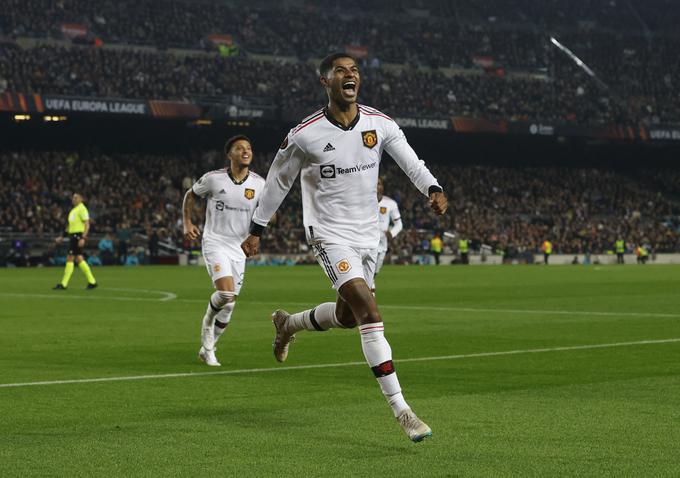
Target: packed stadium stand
(511, 209)
(452, 62)
(461, 58)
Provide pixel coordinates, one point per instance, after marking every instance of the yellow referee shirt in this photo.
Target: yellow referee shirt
(77, 218)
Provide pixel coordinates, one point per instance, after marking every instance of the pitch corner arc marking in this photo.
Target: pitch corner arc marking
(165, 296)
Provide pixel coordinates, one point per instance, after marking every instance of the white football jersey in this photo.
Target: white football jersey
(229, 208)
(388, 212)
(338, 169)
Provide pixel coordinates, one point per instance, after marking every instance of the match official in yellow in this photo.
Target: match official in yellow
(547, 248)
(78, 228)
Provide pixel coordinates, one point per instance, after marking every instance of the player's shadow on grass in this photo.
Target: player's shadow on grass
(346, 442)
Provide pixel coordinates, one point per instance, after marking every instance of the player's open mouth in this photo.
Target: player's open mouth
(349, 87)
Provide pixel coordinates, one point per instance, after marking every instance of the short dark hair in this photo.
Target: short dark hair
(327, 63)
(230, 142)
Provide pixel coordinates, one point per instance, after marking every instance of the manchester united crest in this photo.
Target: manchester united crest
(249, 193)
(370, 138)
(343, 266)
(383, 210)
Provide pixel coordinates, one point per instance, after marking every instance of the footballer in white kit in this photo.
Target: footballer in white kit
(231, 196)
(338, 168)
(337, 152)
(390, 224)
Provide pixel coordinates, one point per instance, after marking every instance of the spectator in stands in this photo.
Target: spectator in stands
(153, 244)
(105, 247)
(93, 259)
(123, 235)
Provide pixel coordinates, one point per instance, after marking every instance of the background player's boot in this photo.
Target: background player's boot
(415, 428)
(59, 287)
(208, 333)
(208, 356)
(282, 339)
(92, 286)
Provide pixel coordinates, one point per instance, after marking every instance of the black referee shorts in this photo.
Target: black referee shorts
(74, 248)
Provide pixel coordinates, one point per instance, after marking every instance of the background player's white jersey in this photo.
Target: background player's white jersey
(339, 175)
(388, 212)
(229, 208)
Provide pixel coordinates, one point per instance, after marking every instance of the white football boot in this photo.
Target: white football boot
(416, 429)
(282, 339)
(208, 333)
(208, 356)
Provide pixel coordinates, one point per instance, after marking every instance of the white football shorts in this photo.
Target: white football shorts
(220, 263)
(343, 263)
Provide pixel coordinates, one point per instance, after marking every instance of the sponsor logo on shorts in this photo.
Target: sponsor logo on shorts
(383, 210)
(249, 193)
(343, 266)
(327, 171)
(370, 138)
(217, 268)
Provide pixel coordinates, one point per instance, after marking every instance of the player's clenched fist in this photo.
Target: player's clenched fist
(438, 203)
(251, 245)
(191, 232)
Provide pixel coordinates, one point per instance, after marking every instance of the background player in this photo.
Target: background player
(77, 229)
(338, 151)
(388, 213)
(232, 194)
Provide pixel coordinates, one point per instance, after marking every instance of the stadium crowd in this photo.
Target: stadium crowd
(86, 71)
(509, 209)
(516, 72)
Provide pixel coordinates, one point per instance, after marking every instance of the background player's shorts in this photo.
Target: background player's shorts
(343, 263)
(379, 260)
(74, 248)
(221, 264)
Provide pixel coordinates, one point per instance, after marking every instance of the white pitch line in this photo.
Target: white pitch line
(165, 295)
(171, 297)
(478, 309)
(533, 311)
(338, 365)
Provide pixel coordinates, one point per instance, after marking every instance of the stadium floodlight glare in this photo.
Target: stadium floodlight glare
(52, 119)
(22, 117)
(580, 63)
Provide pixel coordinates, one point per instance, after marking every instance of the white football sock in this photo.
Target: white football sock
(222, 319)
(379, 357)
(320, 318)
(218, 300)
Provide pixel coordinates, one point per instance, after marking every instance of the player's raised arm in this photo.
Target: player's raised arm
(414, 167)
(280, 178)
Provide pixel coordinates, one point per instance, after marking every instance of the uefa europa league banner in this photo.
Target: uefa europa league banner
(35, 103)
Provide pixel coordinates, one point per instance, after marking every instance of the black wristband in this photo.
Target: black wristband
(256, 229)
(434, 189)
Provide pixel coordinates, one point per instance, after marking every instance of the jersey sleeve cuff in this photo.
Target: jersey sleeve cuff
(434, 189)
(256, 229)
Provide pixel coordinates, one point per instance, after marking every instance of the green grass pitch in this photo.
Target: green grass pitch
(525, 371)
